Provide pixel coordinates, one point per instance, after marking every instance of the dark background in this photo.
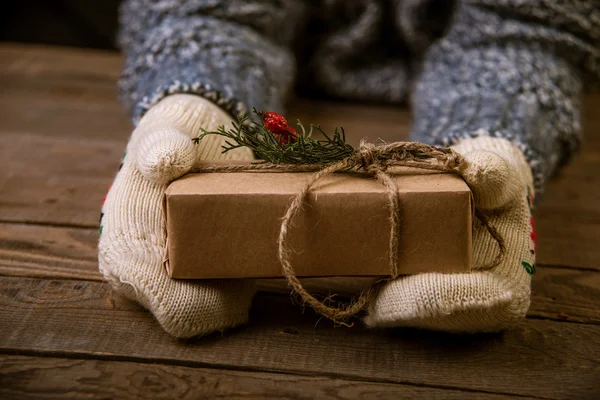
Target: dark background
(80, 23)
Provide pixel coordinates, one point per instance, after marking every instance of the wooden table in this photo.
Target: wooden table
(63, 333)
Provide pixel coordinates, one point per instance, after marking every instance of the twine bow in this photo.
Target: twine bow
(374, 160)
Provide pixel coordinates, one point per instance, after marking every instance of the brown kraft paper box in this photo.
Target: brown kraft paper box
(226, 225)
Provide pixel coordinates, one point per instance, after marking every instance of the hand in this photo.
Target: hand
(133, 236)
(483, 300)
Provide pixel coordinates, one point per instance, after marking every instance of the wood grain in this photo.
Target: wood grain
(55, 180)
(61, 92)
(33, 60)
(25, 377)
(539, 358)
(42, 251)
(565, 295)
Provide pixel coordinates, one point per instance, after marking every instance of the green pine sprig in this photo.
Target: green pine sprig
(305, 149)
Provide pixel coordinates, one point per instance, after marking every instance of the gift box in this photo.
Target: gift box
(226, 225)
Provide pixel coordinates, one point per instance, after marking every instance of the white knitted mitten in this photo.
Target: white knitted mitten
(133, 237)
(488, 300)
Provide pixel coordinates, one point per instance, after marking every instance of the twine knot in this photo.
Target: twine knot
(367, 156)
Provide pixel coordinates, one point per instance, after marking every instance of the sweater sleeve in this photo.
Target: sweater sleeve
(513, 69)
(232, 52)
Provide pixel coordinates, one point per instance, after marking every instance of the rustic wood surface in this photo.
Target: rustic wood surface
(64, 334)
(85, 378)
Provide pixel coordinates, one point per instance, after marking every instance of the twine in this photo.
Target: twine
(373, 160)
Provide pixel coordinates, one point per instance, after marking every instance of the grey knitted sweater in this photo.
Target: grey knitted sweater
(507, 68)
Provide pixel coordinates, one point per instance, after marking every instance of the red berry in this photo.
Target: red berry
(275, 123)
(278, 126)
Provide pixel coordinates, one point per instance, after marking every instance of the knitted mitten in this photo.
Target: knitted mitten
(483, 300)
(132, 241)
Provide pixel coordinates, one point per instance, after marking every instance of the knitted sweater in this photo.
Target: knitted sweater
(505, 68)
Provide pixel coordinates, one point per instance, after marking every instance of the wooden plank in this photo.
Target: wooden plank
(539, 358)
(55, 118)
(566, 294)
(25, 377)
(48, 252)
(67, 253)
(76, 89)
(61, 92)
(565, 241)
(55, 180)
(62, 104)
(34, 60)
(568, 217)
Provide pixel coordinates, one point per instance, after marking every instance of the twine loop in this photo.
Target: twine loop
(374, 160)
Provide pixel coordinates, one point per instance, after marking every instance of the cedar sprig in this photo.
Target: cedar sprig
(268, 147)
